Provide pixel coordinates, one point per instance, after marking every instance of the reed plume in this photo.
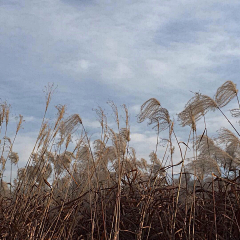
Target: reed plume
(125, 134)
(225, 93)
(20, 122)
(144, 163)
(3, 162)
(157, 115)
(63, 161)
(119, 141)
(102, 118)
(4, 113)
(21, 173)
(111, 153)
(203, 166)
(84, 155)
(115, 114)
(207, 147)
(14, 158)
(196, 107)
(232, 147)
(154, 159)
(235, 112)
(228, 138)
(99, 148)
(61, 111)
(70, 124)
(50, 157)
(43, 171)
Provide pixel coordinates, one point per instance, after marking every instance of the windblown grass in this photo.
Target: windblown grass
(102, 190)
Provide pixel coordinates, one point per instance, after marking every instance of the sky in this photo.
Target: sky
(126, 51)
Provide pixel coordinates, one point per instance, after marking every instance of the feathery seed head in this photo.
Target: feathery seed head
(125, 133)
(20, 122)
(63, 161)
(119, 142)
(68, 140)
(99, 147)
(48, 91)
(83, 154)
(225, 93)
(70, 124)
(35, 158)
(144, 163)
(196, 107)
(229, 139)
(207, 147)
(157, 115)
(154, 159)
(14, 158)
(148, 109)
(235, 112)
(115, 111)
(102, 118)
(203, 166)
(61, 111)
(111, 153)
(51, 157)
(3, 188)
(7, 116)
(3, 162)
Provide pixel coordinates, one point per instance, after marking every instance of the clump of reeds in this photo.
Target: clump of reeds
(99, 189)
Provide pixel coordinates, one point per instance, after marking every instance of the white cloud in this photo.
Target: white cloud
(24, 145)
(157, 68)
(135, 109)
(81, 66)
(84, 64)
(91, 124)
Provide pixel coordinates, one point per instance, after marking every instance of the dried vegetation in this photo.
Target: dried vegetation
(75, 188)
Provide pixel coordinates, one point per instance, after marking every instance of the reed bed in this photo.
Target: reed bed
(75, 188)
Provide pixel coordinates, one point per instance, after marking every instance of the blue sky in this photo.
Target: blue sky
(126, 51)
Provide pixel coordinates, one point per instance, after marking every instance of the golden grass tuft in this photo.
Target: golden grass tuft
(157, 115)
(195, 109)
(225, 93)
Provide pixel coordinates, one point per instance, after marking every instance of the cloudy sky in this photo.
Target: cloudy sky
(126, 51)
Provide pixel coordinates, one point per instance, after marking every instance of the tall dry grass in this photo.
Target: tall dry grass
(99, 189)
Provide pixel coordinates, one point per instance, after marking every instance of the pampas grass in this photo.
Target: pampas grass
(195, 109)
(157, 115)
(225, 93)
(79, 190)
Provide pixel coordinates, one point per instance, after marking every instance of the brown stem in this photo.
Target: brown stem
(228, 121)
